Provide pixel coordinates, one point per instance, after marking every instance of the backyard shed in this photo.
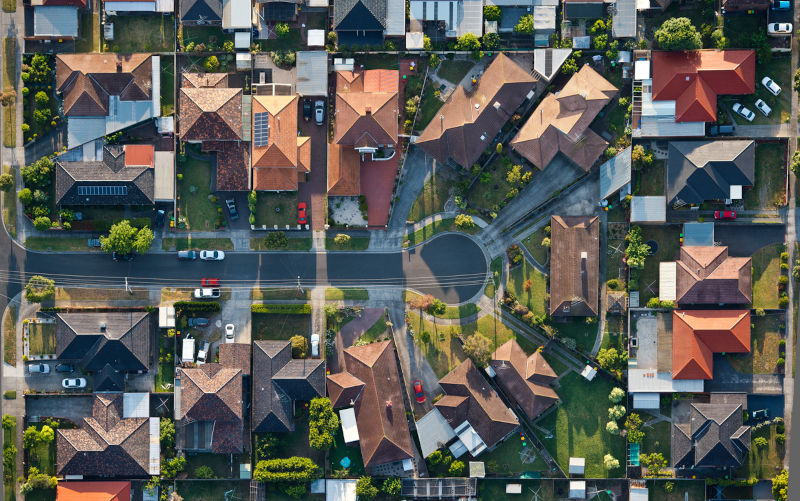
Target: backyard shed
(577, 466)
(589, 372)
(414, 40)
(695, 234)
(349, 427)
(646, 400)
(166, 317)
(667, 280)
(477, 469)
(316, 38)
(577, 489)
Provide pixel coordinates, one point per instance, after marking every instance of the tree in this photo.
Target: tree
(613, 50)
(546, 242)
(125, 239)
(478, 348)
(9, 421)
(678, 33)
(299, 346)
(491, 41)
(468, 41)
(171, 467)
(39, 288)
(456, 468)
(9, 462)
(265, 446)
(637, 251)
(365, 490)
(492, 12)
(760, 442)
(612, 427)
(435, 457)
(426, 42)
(6, 182)
(41, 98)
(514, 174)
(654, 462)
(524, 25)
(610, 462)
(642, 157)
(391, 487)
(42, 223)
(167, 434)
(204, 471)
(281, 29)
(322, 424)
(632, 425)
(30, 437)
(780, 486)
(464, 222)
(438, 307)
(25, 196)
(600, 42)
(616, 395)
(612, 360)
(211, 64)
(342, 239)
(37, 481)
(527, 284)
(293, 469)
(46, 435)
(598, 28)
(411, 106)
(276, 240)
(616, 412)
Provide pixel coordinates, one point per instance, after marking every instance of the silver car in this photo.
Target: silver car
(771, 86)
(212, 255)
(319, 112)
(743, 112)
(763, 107)
(74, 382)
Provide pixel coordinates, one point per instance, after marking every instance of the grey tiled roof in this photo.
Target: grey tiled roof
(713, 437)
(705, 170)
(125, 343)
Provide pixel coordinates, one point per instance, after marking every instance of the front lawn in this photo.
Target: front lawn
(294, 244)
(433, 195)
(205, 490)
(276, 208)
(533, 243)
(578, 426)
(532, 297)
(438, 342)
(511, 458)
(492, 188)
(494, 329)
(197, 211)
(279, 326)
(454, 70)
(556, 364)
(355, 293)
(354, 244)
(451, 312)
(376, 332)
(189, 243)
(576, 328)
(650, 181)
(9, 84)
(768, 190)
(434, 227)
(41, 338)
(766, 269)
(763, 356)
(496, 273)
(10, 203)
(667, 238)
(763, 462)
(282, 294)
(10, 335)
(144, 33)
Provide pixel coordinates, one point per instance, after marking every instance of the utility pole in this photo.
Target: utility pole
(299, 287)
(127, 287)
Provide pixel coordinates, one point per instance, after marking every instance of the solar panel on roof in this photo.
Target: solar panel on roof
(261, 129)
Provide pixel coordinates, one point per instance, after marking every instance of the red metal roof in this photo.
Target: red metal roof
(698, 334)
(94, 491)
(694, 79)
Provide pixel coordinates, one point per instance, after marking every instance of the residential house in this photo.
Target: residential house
(372, 386)
(716, 170)
(574, 264)
(53, 19)
(449, 19)
(93, 491)
(201, 12)
(706, 275)
(110, 443)
(560, 124)
(211, 114)
(698, 334)
(584, 9)
(525, 379)
(281, 159)
(113, 7)
(109, 345)
(476, 413)
(711, 435)
(367, 22)
(468, 122)
(279, 382)
(105, 93)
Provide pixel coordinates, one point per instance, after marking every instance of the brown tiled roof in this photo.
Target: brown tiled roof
(233, 164)
(524, 378)
(344, 171)
(483, 408)
(698, 334)
(380, 409)
(235, 356)
(283, 161)
(560, 123)
(574, 264)
(212, 114)
(367, 110)
(205, 80)
(707, 275)
(456, 130)
(343, 388)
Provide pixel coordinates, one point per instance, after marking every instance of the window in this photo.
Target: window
(103, 190)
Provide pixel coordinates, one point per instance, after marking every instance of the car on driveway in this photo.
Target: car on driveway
(779, 29)
(202, 352)
(209, 282)
(232, 209)
(229, 337)
(212, 255)
(39, 369)
(301, 213)
(418, 393)
(319, 112)
(187, 255)
(315, 345)
(74, 382)
(198, 322)
(306, 109)
(771, 86)
(206, 293)
(743, 112)
(725, 214)
(763, 107)
(65, 368)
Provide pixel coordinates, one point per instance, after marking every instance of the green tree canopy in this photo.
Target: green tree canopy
(365, 490)
(525, 24)
(125, 239)
(478, 348)
(299, 346)
(637, 251)
(39, 288)
(678, 33)
(322, 424)
(468, 41)
(492, 12)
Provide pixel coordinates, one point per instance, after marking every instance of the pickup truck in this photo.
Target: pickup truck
(202, 352)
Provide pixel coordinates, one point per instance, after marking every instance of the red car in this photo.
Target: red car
(417, 384)
(301, 213)
(209, 282)
(725, 214)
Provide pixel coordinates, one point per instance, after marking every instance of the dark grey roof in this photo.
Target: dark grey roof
(705, 170)
(109, 379)
(583, 10)
(366, 15)
(302, 379)
(201, 10)
(124, 344)
(713, 437)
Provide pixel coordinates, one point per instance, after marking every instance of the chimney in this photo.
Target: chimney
(119, 66)
(368, 110)
(102, 326)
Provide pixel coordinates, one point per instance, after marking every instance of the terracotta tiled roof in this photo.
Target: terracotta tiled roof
(456, 130)
(698, 334)
(344, 171)
(368, 109)
(561, 121)
(93, 491)
(210, 114)
(283, 161)
(235, 356)
(524, 378)
(205, 80)
(343, 388)
(233, 164)
(694, 79)
(139, 154)
(707, 275)
(574, 264)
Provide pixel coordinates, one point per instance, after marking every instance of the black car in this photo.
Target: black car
(306, 110)
(121, 257)
(188, 255)
(65, 368)
(198, 322)
(721, 130)
(232, 209)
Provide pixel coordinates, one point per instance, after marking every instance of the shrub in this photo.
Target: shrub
(342, 239)
(6, 182)
(282, 30)
(211, 64)
(365, 490)
(299, 346)
(612, 427)
(492, 13)
(478, 348)
(783, 301)
(780, 362)
(784, 257)
(322, 424)
(614, 284)
(456, 468)
(204, 471)
(281, 309)
(760, 442)
(391, 486)
(276, 240)
(616, 395)
(783, 280)
(464, 222)
(41, 98)
(25, 196)
(196, 306)
(653, 302)
(293, 469)
(39, 288)
(760, 312)
(610, 462)
(616, 412)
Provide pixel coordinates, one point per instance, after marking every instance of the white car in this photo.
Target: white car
(74, 382)
(205, 293)
(779, 29)
(229, 333)
(212, 255)
(315, 345)
(319, 112)
(38, 369)
(743, 112)
(202, 352)
(771, 86)
(763, 107)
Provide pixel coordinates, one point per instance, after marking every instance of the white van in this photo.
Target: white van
(187, 354)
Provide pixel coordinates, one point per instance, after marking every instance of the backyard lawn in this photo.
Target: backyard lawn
(614, 335)
(167, 86)
(763, 462)
(657, 438)
(442, 350)
(651, 180)
(208, 35)
(378, 61)
(511, 459)
(279, 325)
(194, 190)
(454, 70)
(43, 455)
(763, 356)
(684, 489)
(433, 195)
(42, 338)
(494, 489)
(579, 430)
(276, 208)
(189, 243)
(205, 490)
(291, 41)
(165, 378)
(154, 33)
(434, 227)
(10, 335)
(89, 31)
(766, 269)
(667, 239)
(555, 363)
(296, 443)
(341, 451)
(576, 328)
(534, 297)
(217, 462)
(428, 107)
(770, 176)
(533, 243)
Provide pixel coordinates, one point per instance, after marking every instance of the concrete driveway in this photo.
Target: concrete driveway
(51, 382)
(744, 239)
(72, 407)
(313, 191)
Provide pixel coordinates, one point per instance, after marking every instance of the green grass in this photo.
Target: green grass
(340, 451)
(279, 326)
(167, 86)
(59, 244)
(10, 204)
(143, 34)
(276, 208)
(9, 6)
(189, 243)
(208, 35)
(215, 490)
(668, 247)
(555, 363)
(615, 252)
(41, 338)
(495, 489)
(166, 365)
(296, 443)
(217, 462)
(43, 456)
(651, 180)
(768, 190)
(506, 460)
(291, 41)
(576, 328)
(378, 61)
(355, 294)
(10, 126)
(496, 269)
(533, 243)
(9, 84)
(451, 312)
(579, 429)
(693, 490)
(295, 244)
(428, 106)
(443, 351)
(763, 356)
(10, 335)
(614, 334)
(534, 297)
(282, 294)
(431, 229)
(490, 191)
(454, 70)
(433, 195)
(766, 269)
(194, 189)
(355, 244)
(657, 438)
(89, 32)
(9, 438)
(376, 331)
(766, 462)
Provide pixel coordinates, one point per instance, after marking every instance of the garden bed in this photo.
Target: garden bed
(38, 115)
(492, 190)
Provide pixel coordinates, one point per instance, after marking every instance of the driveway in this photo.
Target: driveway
(73, 407)
(727, 379)
(50, 382)
(313, 191)
(744, 239)
(377, 182)
(417, 168)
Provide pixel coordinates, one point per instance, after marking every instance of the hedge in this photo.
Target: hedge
(194, 306)
(286, 309)
(293, 469)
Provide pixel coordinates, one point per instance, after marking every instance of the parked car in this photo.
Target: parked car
(763, 107)
(725, 214)
(187, 353)
(781, 5)
(212, 255)
(721, 130)
(319, 112)
(779, 29)
(315, 345)
(206, 293)
(301, 213)
(743, 112)
(39, 369)
(417, 384)
(202, 352)
(232, 209)
(306, 109)
(771, 86)
(117, 256)
(229, 337)
(93, 242)
(74, 382)
(198, 322)
(187, 255)
(209, 282)
(65, 368)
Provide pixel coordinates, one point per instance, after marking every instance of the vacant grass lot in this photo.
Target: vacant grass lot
(189, 243)
(454, 70)
(10, 204)
(10, 335)
(533, 243)
(578, 428)
(460, 311)
(41, 339)
(431, 229)
(355, 244)
(295, 244)
(766, 269)
(279, 326)
(763, 356)
(355, 294)
(534, 297)
(145, 33)
(194, 191)
(276, 208)
(667, 238)
(651, 180)
(433, 195)
(768, 190)
(442, 350)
